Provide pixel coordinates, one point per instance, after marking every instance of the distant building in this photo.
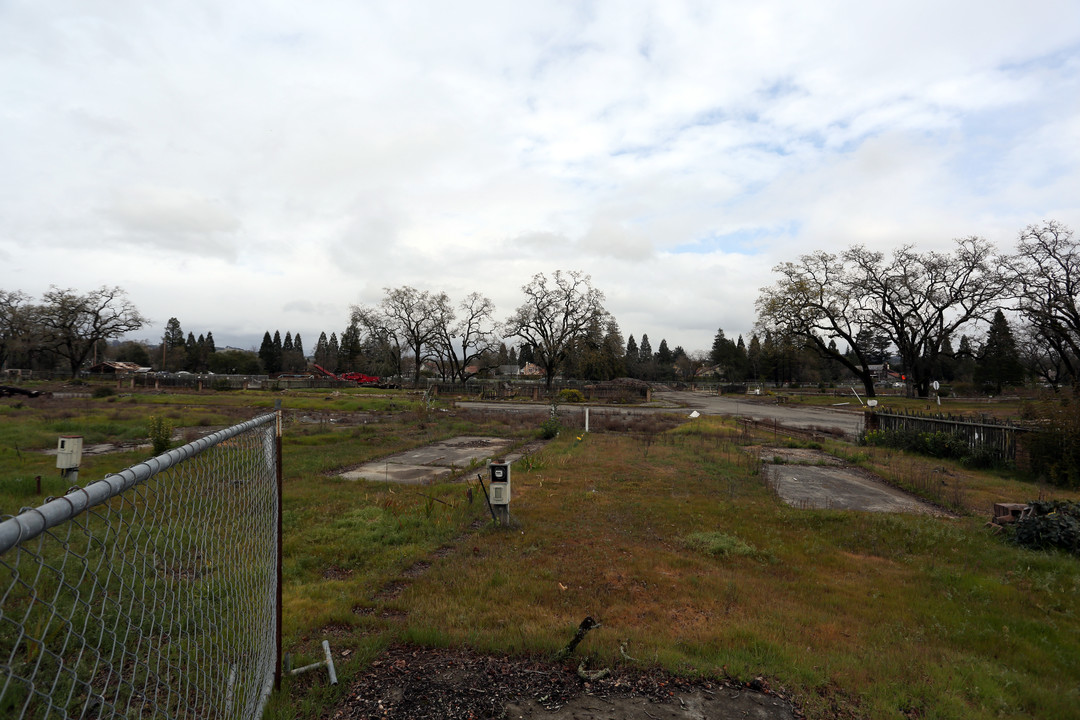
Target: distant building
(708, 371)
(532, 370)
(113, 367)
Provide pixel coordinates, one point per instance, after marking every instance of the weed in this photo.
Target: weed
(159, 429)
(550, 428)
(717, 544)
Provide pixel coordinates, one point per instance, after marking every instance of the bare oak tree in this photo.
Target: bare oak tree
(818, 300)
(471, 337)
(920, 300)
(406, 318)
(1046, 272)
(15, 324)
(555, 314)
(72, 324)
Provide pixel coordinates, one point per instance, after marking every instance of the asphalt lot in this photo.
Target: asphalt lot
(846, 419)
(764, 409)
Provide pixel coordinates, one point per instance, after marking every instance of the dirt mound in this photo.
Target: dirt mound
(443, 684)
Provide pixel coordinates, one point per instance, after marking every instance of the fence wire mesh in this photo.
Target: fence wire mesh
(150, 593)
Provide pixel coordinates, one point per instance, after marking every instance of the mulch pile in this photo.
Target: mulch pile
(441, 684)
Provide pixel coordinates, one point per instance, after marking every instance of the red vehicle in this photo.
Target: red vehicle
(359, 378)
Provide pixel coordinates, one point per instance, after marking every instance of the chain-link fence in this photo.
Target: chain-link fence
(150, 593)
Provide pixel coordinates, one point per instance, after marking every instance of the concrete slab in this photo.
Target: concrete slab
(826, 485)
(398, 473)
(431, 463)
(797, 456)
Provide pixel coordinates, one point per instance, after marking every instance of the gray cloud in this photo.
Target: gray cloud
(171, 219)
(304, 158)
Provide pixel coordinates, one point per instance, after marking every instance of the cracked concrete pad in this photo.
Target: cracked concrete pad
(797, 456)
(398, 473)
(838, 488)
(431, 463)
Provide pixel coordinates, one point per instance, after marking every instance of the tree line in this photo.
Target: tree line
(64, 328)
(852, 307)
(829, 317)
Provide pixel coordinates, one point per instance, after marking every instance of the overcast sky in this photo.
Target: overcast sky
(253, 166)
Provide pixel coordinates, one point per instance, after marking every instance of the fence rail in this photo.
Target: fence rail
(153, 592)
(998, 438)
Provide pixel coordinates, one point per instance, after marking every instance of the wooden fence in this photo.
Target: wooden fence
(997, 437)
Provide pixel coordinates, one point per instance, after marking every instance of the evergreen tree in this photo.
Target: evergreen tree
(512, 358)
(725, 355)
(504, 355)
(946, 365)
(266, 353)
(191, 353)
(965, 361)
(292, 354)
(663, 353)
(613, 350)
(739, 361)
(526, 355)
(833, 370)
(753, 359)
(210, 347)
(270, 353)
(999, 361)
(201, 364)
(321, 352)
(645, 352)
(351, 350)
(646, 361)
(173, 355)
(585, 359)
(664, 366)
(719, 353)
(874, 345)
(174, 335)
(632, 357)
(333, 350)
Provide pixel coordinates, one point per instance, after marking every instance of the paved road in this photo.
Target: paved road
(765, 409)
(761, 409)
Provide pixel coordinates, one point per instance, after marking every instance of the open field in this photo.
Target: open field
(664, 532)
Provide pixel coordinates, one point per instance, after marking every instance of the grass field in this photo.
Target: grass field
(670, 538)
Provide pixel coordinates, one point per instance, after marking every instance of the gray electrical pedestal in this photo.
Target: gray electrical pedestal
(500, 490)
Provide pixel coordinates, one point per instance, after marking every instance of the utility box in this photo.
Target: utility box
(500, 482)
(69, 452)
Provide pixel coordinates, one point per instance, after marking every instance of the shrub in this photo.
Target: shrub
(940, 444)
(1054, 451)
(102, 391)
(550, 428)
(1054, 524)
(159, 430)
(571, 396)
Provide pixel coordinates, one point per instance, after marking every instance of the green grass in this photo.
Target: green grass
(671, 539)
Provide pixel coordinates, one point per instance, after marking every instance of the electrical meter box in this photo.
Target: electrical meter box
(500, 482)
(69, 452)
